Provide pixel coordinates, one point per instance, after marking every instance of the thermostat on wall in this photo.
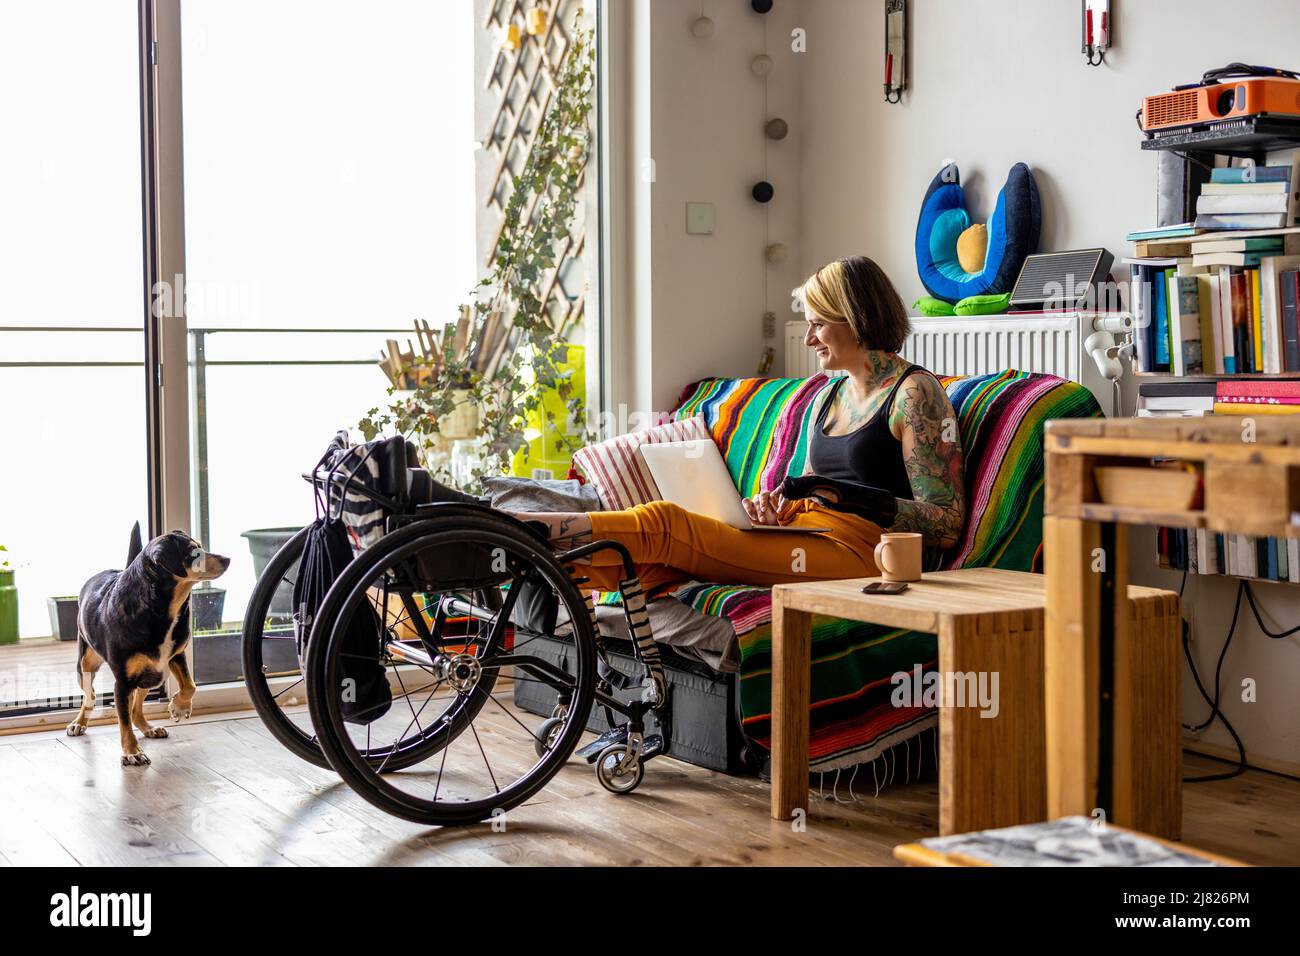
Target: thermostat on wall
(699, 218)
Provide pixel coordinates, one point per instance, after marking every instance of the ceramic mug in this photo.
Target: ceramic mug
(898, 555)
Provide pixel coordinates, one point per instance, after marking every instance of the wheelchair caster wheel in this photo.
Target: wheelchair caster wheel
(544, 737)
(611, 773)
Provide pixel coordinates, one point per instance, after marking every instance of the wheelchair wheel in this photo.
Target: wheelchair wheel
(270, 654)
(479, 755)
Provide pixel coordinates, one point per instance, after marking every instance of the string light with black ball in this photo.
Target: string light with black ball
(774, 130)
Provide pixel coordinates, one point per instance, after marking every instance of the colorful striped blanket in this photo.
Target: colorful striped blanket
(759, 425)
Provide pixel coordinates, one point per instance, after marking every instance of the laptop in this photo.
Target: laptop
(692, 474)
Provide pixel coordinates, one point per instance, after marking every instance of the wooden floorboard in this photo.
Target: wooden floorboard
(225, 792)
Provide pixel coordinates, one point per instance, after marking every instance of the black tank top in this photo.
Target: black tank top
(870, 454)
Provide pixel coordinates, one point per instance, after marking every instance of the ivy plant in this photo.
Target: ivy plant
(538, 220)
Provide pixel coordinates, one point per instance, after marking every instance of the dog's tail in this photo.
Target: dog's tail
(136, 545)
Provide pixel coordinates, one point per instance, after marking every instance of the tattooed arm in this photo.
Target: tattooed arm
(924, 420)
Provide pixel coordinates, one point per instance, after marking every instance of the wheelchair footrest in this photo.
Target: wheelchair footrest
(615, 735)
(652, 746)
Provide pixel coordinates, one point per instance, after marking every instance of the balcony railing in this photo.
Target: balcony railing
(201, 339)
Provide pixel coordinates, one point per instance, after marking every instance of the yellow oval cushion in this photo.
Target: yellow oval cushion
(972, 248)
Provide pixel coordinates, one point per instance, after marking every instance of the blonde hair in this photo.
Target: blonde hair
(857, 291)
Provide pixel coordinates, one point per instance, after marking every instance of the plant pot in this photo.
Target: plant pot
(63, 617)
(264, 543)
(206, 605)
(8, 608)
(461, 422)
(219, 656)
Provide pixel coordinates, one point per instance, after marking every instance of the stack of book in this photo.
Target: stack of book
(1215, 304)
(1251, 197)
(1256, 397)
(1198, 551)
(1175, 399)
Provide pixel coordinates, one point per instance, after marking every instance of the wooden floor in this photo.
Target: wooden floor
(223, 791)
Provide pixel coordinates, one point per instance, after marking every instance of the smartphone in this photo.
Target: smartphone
(885, 587)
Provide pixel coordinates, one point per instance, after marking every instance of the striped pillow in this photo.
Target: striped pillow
(619, 473)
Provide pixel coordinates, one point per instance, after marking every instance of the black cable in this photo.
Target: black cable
(1250, 596)
(1218, 75)
(1214, 703)
(1218, 667)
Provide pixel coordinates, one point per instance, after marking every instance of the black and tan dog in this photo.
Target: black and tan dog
(137, 622)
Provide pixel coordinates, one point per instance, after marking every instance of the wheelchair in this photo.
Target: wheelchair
(444, 597)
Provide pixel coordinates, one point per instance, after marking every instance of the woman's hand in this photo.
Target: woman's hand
(767, 507)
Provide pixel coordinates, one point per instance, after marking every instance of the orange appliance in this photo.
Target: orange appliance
(1247, 96)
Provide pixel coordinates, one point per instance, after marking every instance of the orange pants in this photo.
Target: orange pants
(671, 545)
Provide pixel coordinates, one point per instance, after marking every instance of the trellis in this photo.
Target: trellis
(524, 81)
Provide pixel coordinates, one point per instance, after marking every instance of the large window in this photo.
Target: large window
(329, 203)
(319, 175)
(72, 392)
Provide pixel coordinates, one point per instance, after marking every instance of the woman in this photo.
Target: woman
(886, 423)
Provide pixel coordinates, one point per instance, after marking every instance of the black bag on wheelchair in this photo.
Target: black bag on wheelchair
(326, 552)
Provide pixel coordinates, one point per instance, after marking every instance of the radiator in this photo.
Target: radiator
(1052, 344)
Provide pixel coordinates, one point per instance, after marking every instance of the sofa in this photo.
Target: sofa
(716, 638)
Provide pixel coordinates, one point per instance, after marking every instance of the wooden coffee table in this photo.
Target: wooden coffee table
(992, 770)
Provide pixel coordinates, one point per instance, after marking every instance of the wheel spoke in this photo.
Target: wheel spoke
(516, 719)
(402, 736)
(442, 766)
(287, 689)
(415, 717)
(491, 775)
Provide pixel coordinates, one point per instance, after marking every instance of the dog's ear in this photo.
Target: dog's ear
(155, 552)
(167, 552)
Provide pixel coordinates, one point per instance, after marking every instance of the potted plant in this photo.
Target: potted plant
(63, 616)
(206, 606)
(504, 357)
(263, 543)
(8, 600)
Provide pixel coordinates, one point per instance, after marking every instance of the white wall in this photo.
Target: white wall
(700, 300)
(994, 82)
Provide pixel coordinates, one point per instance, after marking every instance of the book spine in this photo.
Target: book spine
(1160, 313)
(1189, 325)
(1256, 323)
(1257, 400)
(1216, 320)
(1140, 296)
(1239, 289)
(1242, 203)
(1250, 220)
(1289, 283)
(1225, 320)
(1205, 323)
(1236, 389)
(1172, 296)
(1241, 408)
(1251, 174)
